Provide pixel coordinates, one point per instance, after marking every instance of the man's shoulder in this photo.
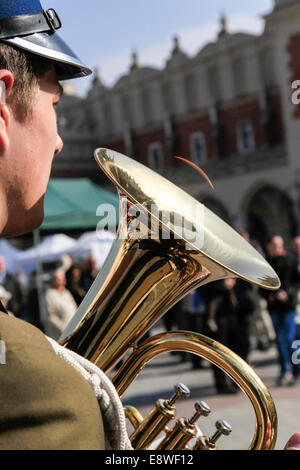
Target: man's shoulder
(15, 332)
(47, 400)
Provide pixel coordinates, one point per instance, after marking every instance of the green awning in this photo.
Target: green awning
(71, 204)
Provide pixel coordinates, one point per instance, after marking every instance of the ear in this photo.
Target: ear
(6, 84)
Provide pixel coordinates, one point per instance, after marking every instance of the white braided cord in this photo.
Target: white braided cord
(109, 401)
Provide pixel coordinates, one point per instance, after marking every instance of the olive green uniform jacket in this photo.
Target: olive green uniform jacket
(45, 404)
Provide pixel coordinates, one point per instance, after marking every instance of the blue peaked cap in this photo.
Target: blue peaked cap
(26, 25)
(9, 8)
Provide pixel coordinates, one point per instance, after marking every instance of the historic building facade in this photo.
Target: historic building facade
(229, 109)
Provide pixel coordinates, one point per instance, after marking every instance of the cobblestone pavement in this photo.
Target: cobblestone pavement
(159, 377)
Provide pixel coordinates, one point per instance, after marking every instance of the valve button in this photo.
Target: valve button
(181, 391)
(223, 427)
(202, 409)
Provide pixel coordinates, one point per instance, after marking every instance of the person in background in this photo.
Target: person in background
(229, 316)
(17, 302)
(33, 306)
(261, 324)
(282, 309)
(296, 281)
(74, 283)
(89, 272)
(194, 311)
(262, 330)
(5, 297)
(61, 306)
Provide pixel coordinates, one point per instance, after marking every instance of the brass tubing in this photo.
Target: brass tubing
(152, 425)
(134, 416)
(204, 444)
(178, 437)
(243, 375)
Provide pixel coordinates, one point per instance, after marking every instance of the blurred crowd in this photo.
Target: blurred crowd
(244, 317)
(48, 299)
(237, 314)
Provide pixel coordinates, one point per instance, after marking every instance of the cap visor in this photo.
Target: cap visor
(51, 46)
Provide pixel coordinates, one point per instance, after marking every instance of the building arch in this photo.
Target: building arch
(269, 210)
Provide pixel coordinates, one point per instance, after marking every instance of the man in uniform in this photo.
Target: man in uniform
(45, 403)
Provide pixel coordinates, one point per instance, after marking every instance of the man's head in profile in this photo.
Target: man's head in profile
(33, 60)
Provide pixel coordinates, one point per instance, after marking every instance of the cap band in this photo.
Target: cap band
(22, 25)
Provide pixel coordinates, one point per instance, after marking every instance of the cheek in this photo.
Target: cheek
(45, 134)
(41, 146)
(31, 161)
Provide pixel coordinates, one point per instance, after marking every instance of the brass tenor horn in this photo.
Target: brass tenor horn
(167, 245)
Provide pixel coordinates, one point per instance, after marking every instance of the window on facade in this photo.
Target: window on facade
(156, 157)
(198, 148)
(245, 138)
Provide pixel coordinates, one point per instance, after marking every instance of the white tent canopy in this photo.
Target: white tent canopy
(50, 249)
(54, 247)
(92, 243)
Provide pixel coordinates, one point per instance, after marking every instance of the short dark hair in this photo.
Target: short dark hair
(27, 69)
